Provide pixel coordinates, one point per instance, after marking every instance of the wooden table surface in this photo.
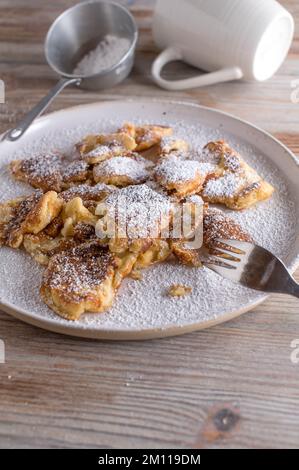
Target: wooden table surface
(231, 386)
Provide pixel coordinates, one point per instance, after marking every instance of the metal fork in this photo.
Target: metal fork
(253, 267)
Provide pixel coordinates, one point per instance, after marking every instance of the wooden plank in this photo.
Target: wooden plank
(231, 386)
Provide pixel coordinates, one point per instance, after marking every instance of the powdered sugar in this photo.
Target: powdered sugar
(102, 150)
(145, 303)
(86, 192)
(76, 274)
(49, 171)
(74, 169)
(206, 168)
(173, 169)
(134, 168)
(167, 141)
(107, 54)
(225, 186)
(139, 209)
(43, 166)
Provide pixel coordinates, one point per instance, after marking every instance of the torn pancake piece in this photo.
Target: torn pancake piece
(88, 193)
(178, 176)
(80, 280)
(41, 172)
(123, 171)
(98, 148)
(50, 172)
(234, 183)
(171, 144)
(29, 214)
(75, 172)
(74, 212)
(146, 136)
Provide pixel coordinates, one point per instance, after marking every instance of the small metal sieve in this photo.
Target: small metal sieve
(73, 34)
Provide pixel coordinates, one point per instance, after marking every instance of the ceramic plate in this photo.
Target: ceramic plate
(142, 308)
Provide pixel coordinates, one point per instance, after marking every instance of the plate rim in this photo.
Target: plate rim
(73, 329)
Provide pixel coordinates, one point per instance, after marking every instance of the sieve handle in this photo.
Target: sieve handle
(20, 129)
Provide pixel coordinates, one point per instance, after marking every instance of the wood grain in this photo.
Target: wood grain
(231, 386)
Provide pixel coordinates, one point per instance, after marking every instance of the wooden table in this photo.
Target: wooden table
(231, 386)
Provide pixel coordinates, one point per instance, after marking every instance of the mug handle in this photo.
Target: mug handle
(171, 54)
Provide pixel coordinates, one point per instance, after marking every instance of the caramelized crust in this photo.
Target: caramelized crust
(76, 172)
(78, 280)
(185, 255)
(50, 172)
(30, 214)
(216, 225)
(87, 193)
(85, 278)
(41, 172)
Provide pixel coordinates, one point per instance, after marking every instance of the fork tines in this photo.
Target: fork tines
(224, 252)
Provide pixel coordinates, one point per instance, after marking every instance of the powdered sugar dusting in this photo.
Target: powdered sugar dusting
(145, 303)
(139, 209)
(73, 169)
(225, 186)
(173, 169)
(86, 192)
(134, 168)
(101, 150)
(43, 166)
(206, 168)
(78, 272)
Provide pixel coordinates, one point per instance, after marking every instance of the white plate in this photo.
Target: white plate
(142, 309)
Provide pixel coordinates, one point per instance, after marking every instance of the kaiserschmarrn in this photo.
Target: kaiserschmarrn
(117, 209)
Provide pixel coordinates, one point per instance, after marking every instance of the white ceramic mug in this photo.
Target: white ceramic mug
(230, 39)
